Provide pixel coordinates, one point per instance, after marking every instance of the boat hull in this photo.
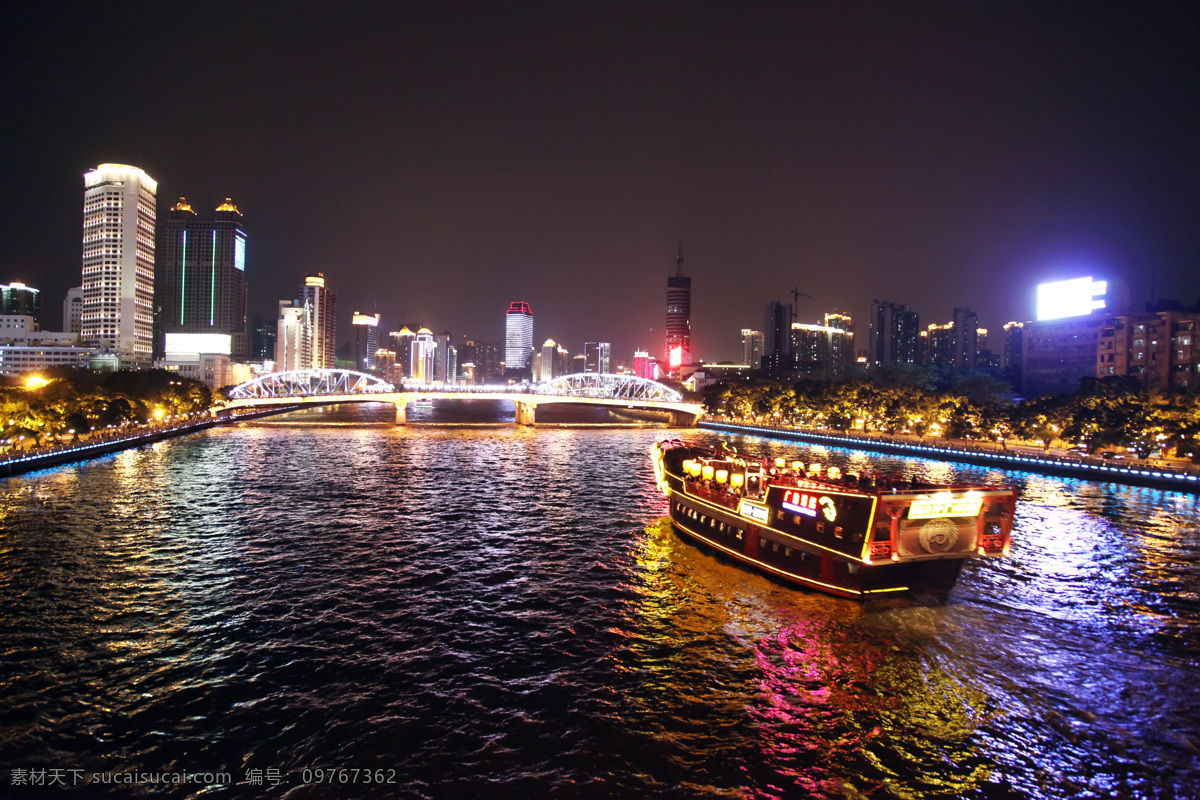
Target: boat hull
(836, 538)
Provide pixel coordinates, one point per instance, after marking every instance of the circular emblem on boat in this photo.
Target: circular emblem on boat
(938, 535)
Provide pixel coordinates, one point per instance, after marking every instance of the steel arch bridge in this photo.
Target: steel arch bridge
(310, 382)
(312, 387)
(613, 387)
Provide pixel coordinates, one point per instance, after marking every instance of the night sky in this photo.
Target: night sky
(438, 160)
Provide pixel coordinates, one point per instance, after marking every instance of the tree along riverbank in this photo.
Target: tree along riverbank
(102, 444)
(1136, 473)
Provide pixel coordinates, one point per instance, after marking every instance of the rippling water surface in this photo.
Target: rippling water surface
(503, 612)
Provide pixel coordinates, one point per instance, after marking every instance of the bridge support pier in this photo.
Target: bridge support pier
(682, 419)
(526, 413)
(401, 413)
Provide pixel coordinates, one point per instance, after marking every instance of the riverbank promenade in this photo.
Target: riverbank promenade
(1177, 476)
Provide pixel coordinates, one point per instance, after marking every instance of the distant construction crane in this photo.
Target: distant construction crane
(796, 295)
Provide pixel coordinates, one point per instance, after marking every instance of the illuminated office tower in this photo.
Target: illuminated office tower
(200, 284)
(547, 361)
(402, 345)
(118, 262)
(518, 337)
(21, 300)
(366, 339)
(597, 357)
(644, 365)
(293, 337)
(424, 355)
(679, 317)
(322, 304)
(445, 364)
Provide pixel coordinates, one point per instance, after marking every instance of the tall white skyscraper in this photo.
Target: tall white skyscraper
(119, 210)
(518, 336)
(424, 353)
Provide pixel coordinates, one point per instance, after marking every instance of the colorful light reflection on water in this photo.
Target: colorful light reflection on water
(503, 612)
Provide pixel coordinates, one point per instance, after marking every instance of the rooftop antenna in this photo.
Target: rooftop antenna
(679, 261)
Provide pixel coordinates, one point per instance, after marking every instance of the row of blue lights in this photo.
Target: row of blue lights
(83, 448)
(844, 441)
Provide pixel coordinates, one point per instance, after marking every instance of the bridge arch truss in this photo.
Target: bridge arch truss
(607, 387)
(310, 383)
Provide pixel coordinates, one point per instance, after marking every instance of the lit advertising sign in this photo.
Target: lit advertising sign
(930, 509)
(808, 504)
(676, 356)
(1074, 298)
(760, 513)
(180, 343)
(239, 253)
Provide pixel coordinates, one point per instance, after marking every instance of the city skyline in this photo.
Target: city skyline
(430, 161)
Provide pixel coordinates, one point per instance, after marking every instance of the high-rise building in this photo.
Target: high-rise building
(73, 310)
(777, 338)
(17, 298)
(1057, 353)
(1161, 349)
(752, 348)
(644, 366)
(402, 345)
(893, 333)
(424, 356)
(486, 358)
(293, 338)
(839, 320)
(820, 350)
(445, 365)
(366, 339)
(1012, 352)
(385, 364)
(966, 338)
(548, 361)
(679, 317)
(263, 334)
(518, 338)
(200, 275)
(322, 302)
(118, 262)
(597, 357)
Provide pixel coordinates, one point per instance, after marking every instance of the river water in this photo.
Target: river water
(503, 612)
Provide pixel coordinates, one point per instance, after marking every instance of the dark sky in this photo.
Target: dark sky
(437, 160)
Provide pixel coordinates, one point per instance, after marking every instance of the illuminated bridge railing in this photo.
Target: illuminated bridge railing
(310, 382)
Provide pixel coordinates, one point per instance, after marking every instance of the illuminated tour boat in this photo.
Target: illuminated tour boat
(849, 535)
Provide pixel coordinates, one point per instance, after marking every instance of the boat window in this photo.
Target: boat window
(787, 551)
(775, 547)
(795, 519)
(778, 515)
(820, 527)
(838, 531)
(722, 528)
(762, 544)
(851, 567)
